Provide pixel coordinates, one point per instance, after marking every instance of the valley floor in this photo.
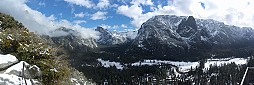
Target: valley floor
(148, 71)
(183, 66)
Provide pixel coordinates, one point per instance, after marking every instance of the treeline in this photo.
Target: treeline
(165, 74)
(128, 76)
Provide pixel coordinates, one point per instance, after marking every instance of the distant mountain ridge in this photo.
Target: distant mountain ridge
(166, 37)
(114, 38)
(171, 36)
(72, 40)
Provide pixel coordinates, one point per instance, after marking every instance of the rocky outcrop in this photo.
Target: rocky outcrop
(106, 37)
(18, 73)
(7, 60)
(23, 69)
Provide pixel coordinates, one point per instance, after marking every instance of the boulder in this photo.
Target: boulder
(34, 71)
(7, 61)
(13, 72)
(23, 69)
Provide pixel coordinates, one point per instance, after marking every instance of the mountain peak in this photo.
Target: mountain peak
(101, 29)
(187, 27)
(111, 38)
(190, 18)
(191, 22)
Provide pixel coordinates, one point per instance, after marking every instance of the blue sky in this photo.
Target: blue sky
(43, 16)
(66, 10)
(110, 17)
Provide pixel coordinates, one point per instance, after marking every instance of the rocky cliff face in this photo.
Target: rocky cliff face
(170, 36)
(105, 36)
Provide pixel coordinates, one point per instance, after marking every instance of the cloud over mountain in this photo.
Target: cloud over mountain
(37, 22)
(233, 12)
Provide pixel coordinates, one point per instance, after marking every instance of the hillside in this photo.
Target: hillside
(27, 46)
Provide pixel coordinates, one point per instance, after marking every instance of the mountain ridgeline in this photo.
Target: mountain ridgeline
(186, 38)
(169, 37)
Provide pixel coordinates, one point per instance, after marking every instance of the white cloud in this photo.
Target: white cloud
(114, 5)
(30, 18)
(61, 15)
(72, 8)
(105, 26)
(109, 27)
(131, 34)
(59, 33)
(85, 32)
(80, 15)
(37, 22)
(99, 15)
(79, 21)
(124, 26)
(115, 27)
(133, 11)
(143, 2)
(233, 12)
(103, 4)
(84, 3)
(41, 4)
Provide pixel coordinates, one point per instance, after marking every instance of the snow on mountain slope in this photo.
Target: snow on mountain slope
(179, 36)
(7, 60)
(178, 31)
(162, 27)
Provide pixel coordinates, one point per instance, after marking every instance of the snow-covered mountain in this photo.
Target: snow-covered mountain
(178, 31)
(170, 35)
(113, 38)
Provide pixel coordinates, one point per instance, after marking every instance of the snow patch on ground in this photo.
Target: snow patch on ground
(219, 62)
(183, 66)
(17, 67)
(6, 79)
(11, 75)
(7, 58)
(108, 64)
